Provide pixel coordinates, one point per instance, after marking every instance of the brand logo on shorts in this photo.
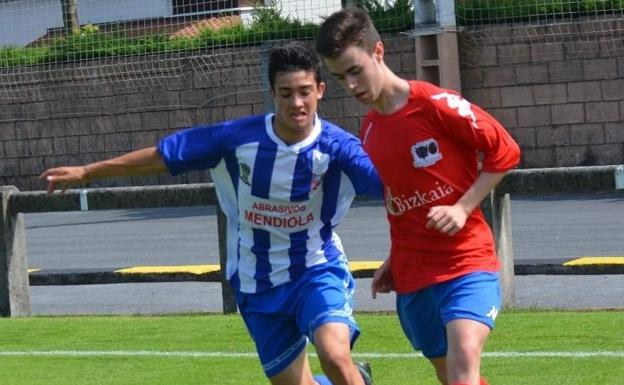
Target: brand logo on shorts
(493, 313)
(426, 153)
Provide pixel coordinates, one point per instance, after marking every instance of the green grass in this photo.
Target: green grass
(517, 331)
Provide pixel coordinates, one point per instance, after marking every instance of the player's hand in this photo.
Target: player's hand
(382, 280)
(62, 177)
(447, 219)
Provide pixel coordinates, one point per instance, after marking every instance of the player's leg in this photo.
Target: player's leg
(279, 342)
(471, 304)
(326, 317)
(420, 319)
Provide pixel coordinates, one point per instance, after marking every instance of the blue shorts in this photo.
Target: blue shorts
(424, 313)
(281, 320)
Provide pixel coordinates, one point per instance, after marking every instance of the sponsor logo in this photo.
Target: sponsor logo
(493, 313)
(398, 205)
(426, 153)
(245, 170)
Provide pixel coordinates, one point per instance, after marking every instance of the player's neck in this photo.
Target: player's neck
(290, 136)
(393, 96)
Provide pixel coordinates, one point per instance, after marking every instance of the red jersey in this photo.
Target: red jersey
(427, 155)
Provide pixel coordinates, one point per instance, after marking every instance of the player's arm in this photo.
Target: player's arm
(360, 169)
(141, 162)
(451, 219)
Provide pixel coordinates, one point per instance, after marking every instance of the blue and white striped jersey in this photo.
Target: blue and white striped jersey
(281, 201)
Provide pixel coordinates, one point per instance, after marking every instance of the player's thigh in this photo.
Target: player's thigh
(327, 298)
(297, 373)
(419, 315)
(333, 342)
(274, 331)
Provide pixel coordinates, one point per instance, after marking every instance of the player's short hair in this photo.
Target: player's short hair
(293, 56)
(348, 27)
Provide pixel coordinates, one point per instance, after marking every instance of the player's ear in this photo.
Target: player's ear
(321, 90)
(378, 51)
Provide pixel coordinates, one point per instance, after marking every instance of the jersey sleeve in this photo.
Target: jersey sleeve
(476, 128)
(197, 148)
(359, 167)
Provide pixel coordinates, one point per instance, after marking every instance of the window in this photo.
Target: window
(181, 7)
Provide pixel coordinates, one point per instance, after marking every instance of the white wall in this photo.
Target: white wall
(308, 10)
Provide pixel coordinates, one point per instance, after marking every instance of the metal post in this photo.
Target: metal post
(229, 297)
(14, 285)
(501, 227)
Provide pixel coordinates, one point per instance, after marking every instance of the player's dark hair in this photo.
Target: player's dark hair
(348, 27)
(293, 56)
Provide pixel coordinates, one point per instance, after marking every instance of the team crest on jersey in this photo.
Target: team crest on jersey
(426, 153)
(320, 164)
(245, 171)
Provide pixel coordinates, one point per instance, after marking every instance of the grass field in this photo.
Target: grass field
(527, 347)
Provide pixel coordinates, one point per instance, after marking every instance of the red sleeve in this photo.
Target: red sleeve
(476, 128)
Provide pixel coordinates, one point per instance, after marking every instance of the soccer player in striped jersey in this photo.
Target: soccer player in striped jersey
(425, 142)
(284, 181)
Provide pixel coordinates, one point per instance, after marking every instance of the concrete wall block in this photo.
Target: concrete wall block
(599, 69)
(139, 101)
(234, 112)
(210, 115)
(605, 154)
(602, 112)
(17, 148)
(532, 73)
(620, 67)
(484, 97)
(550, 93)
(568, 113)
(121, 142)
(551, 136)
(39, 110)
(78, 126)
(517, 96)
(128, 122)
(534, 116)
(526, 136)
(393, 62)
(499, 76)
(31, 166)
(614, 132)
(7, 130)
(2, 155)
(573, 156)
(253, 96)
(612, 89)
(103, 124)
(112, 104)
(42, 146)
(537, 157)
(29, 129)
(182, 118)
(408, 62)
(584, 91)
(587, 134)
(471, 78)
(167, 100)
(145, 139)
(66, 145)
(91, 143)
(353, 108)
(578, 50)
(9, 167)
(545, 53)
(12, 112)
(514, 54)
(565, 71)
(158, 120)
(508, 117)
(100, 90)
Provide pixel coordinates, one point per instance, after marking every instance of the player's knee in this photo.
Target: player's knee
(335, 360)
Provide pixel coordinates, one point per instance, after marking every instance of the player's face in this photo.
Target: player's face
(359, 72)
(296, 95)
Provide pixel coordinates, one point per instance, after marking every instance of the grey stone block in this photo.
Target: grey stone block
(66, 145)
(531, 73)
(182, 118)
(508, 117)
(533, 116)
(584, 91)
(9, 167)
(552, 136)
(484, 97)
(155, 120)
(606, 154)
(600, 69)
(128, 122)
(538, 157)
(119, 141)
(91, 143)
(7, 130)
(550, 94)
(234, 112)
(31, 166)
(612, 89)
(29, 129)
(525, 136)
(602, 112)
(517, 96)
(587, 134)
(568, 113)
(499, 76)
(614, 132)
(565, 71)
(573, 156)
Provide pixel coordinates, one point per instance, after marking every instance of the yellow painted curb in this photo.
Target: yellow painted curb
(33, 270)
(584, 261)
(190, 269)
(364, 265)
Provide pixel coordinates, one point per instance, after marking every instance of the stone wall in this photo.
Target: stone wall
(563, 104)
(560, 92)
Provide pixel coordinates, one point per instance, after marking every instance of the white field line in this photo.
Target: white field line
(183, 354)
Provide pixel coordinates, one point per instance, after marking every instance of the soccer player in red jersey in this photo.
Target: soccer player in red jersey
(425, 142)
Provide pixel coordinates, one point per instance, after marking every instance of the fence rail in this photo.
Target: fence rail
(14, 279)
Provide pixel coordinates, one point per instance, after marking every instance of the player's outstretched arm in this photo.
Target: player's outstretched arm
(141, 162)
